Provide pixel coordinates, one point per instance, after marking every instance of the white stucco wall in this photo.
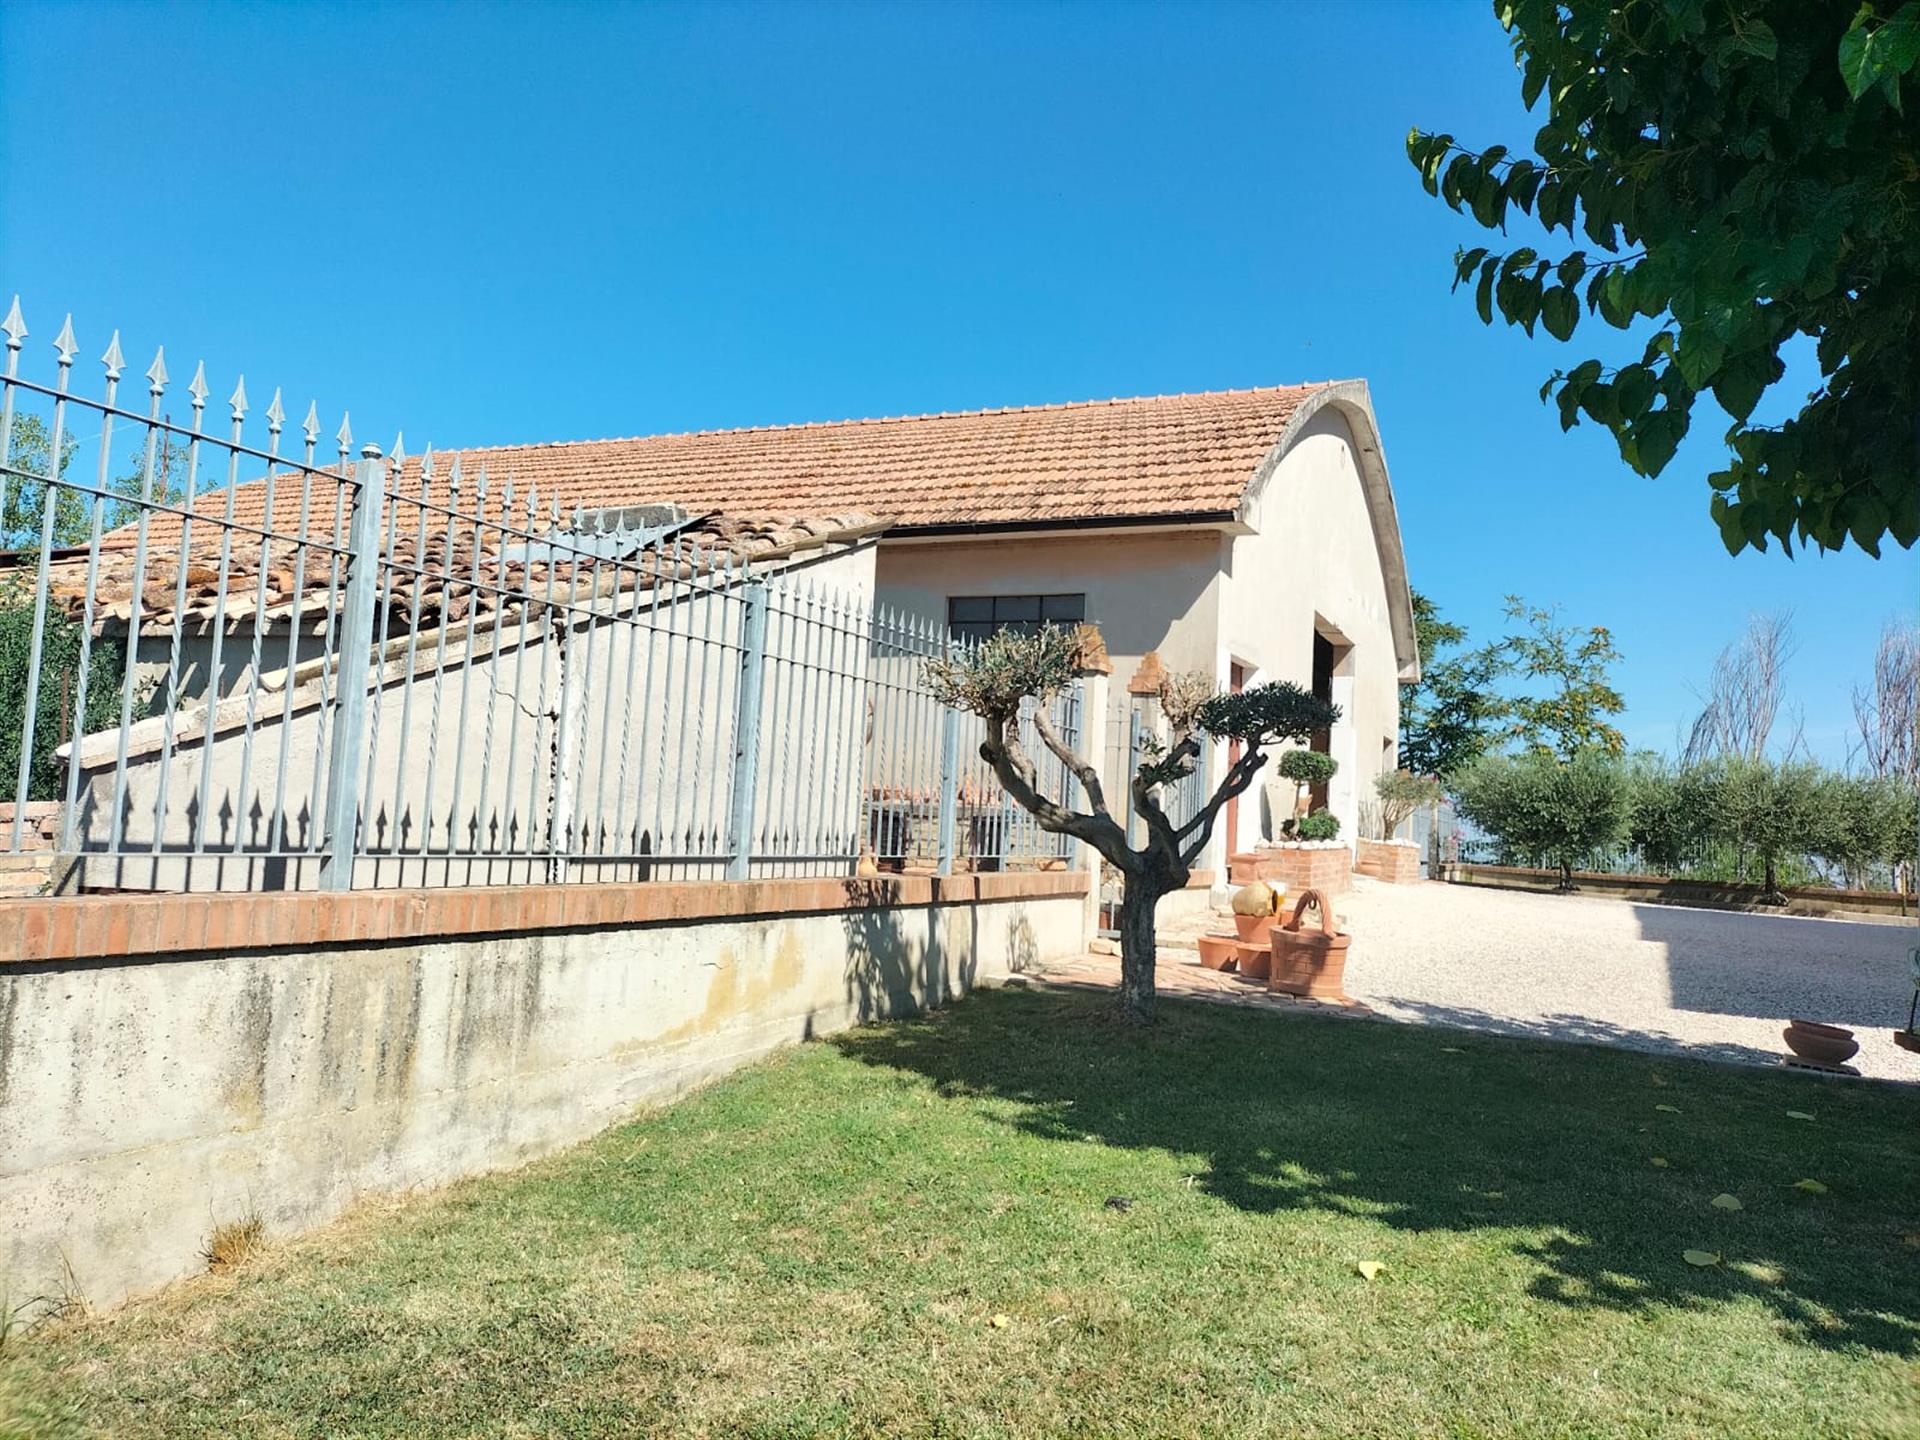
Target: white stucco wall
(1313, 562)
(1146, 591)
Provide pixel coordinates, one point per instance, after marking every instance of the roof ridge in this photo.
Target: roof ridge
(850, 421)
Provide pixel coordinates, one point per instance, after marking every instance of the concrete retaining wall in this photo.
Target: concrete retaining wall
(145, 1099)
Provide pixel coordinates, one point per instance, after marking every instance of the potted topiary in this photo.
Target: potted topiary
(1306, 768)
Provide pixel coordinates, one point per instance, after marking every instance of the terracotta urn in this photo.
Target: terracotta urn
(1820, 1044)
(1254, 906)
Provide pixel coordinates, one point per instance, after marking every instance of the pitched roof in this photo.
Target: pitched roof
(1161, 455)
(1157, 456)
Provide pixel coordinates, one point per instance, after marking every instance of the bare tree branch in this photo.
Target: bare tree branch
(1888, 714)
(1238, 778)
(1017, 776)
(1082, 769)
(1742, 701)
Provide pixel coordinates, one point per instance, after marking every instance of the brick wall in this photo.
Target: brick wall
(1326, 868)
(1384, 860)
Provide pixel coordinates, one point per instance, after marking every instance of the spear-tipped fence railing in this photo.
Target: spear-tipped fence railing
(229, 664)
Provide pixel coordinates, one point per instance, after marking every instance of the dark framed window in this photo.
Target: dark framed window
(975, 617)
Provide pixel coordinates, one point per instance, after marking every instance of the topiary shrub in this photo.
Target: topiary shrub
(1308, 767)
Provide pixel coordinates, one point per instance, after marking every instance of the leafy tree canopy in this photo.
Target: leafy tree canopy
(1741, 173)
(26, 487)
(1454, 714)
(1545, 808)
(1576, 662)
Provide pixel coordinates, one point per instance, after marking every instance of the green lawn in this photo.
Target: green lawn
(904, 1231)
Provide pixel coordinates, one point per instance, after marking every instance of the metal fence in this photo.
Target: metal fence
(225, 666)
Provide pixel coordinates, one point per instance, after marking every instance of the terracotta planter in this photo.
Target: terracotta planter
(1820, 1044)
(1256, 958)
(1254, 927)
(1308, 962)
(1217, 952)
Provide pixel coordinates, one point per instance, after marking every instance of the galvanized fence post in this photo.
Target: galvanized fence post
(353, 666)
(949, 786)
(746, 731)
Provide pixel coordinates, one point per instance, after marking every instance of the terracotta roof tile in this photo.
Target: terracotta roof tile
(434, 579)
(1100, 459)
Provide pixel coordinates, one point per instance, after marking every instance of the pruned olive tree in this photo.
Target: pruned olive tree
(994, 678)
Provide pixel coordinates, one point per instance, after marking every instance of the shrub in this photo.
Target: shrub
(59, 666)
(1542, 808)
(1668, 820)
(1863, 824)
(1320, 825)
(1766, 808)
(1402, 793)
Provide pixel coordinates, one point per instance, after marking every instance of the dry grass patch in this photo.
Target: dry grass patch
(235, 1242)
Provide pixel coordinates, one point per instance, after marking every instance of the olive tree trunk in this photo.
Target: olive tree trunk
(1137, 993)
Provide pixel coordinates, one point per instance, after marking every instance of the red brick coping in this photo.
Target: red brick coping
(93, 927)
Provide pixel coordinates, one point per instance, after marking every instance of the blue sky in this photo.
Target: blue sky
(493, 223)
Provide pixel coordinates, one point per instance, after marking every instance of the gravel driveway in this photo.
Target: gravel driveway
(1708, 982)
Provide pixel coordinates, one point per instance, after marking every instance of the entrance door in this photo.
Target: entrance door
(1321, 740)
(1236, 682)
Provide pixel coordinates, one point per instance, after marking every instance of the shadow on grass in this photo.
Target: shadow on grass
(1436, 1131)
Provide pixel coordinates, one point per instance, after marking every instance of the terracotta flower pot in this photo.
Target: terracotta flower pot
(1821, 1044)
(1256, 958)
(1307, 962)
(1253, 927)
(1217, 952)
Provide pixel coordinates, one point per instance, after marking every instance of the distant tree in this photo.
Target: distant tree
(1401, 794)
(1572, 715)
(993, 679)
(26, 487)
(54, 703)
(1743, 696)
(1865, 824)
(1453, 714)
(1668, 820)
(1888, 712)
(1745, 172)
(1546, 809)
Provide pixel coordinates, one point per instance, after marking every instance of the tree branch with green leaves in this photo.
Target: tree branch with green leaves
(1743, 175)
